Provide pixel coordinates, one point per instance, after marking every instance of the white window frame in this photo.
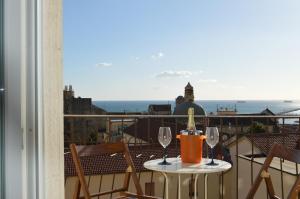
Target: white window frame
(34, 149)
(2, 90)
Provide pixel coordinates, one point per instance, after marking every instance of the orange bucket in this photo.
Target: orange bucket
(191, 148)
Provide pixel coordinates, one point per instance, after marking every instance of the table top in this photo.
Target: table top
(186, 168)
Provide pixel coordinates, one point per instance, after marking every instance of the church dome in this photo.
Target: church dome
(179, 100)
(182, 109)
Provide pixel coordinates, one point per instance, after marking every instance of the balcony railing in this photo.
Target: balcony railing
(247, 138)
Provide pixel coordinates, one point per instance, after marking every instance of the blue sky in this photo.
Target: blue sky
(150, 49)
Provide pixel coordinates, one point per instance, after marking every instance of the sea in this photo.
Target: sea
(242, 106)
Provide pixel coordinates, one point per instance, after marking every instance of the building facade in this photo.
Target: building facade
(82, 130)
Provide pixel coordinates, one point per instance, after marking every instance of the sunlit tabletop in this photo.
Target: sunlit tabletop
(185, 168)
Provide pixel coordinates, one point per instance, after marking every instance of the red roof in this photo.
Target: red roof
(109, 164)
(266, 140)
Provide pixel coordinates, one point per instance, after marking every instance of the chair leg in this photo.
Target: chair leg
(294, 193)
(270, 187)
(77, 189)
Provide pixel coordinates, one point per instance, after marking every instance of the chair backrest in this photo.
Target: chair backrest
(278, 151)
(100, 149)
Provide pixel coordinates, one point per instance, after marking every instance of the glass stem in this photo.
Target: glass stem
(165, 154)
(212, 155)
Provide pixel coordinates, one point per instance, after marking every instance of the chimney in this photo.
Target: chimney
(66, 88)
(70, 88)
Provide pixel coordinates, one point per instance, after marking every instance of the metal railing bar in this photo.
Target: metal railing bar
(113, 184)
(238, 131)
(221, 131)
(177, 187)
(122, 127)
(299, 125)
(148, 130)
(135, 131)
(221, 176)
(176, 132)
(237, 159)
(151, 180)
(281, 179)
(164, 189)
(283, 130)
(100, 185)
(252, 151)
(281, 160)
(182, 116)
(89, 180)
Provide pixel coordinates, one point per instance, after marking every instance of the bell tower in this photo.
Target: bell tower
(189, 93)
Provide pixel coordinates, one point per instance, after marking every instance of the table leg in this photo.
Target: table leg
(195, 188)
(205, 184)
(179, 186)
(167, 185)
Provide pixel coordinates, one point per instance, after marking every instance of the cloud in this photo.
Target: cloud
(171, 74)
(135, 58)
(104, 64)
(158, 56)
(197, 72)
(208, 81)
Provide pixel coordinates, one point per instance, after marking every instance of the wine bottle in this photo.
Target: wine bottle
(191, 127)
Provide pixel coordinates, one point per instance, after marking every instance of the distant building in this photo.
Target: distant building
(159, 109)
(184, 103)
(226, 111)
(81, 130)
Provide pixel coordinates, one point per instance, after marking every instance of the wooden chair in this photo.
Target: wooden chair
(90, 150)
(278, 151)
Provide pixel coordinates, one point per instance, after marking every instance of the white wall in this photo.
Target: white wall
(244, 147)
(51, 146)
(159, 180)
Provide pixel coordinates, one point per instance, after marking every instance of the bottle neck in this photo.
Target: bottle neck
(191, 123)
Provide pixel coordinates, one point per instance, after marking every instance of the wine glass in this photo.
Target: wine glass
(212, 138)
(164, 138)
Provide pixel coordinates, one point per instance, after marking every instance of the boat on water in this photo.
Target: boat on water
(241, 101)
(287, 101)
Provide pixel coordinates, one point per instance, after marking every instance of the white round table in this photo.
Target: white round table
(178, 167)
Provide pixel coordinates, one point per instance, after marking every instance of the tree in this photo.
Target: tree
(257, 127)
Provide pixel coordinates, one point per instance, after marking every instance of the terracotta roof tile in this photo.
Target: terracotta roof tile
(108, 164)
(265, 141)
